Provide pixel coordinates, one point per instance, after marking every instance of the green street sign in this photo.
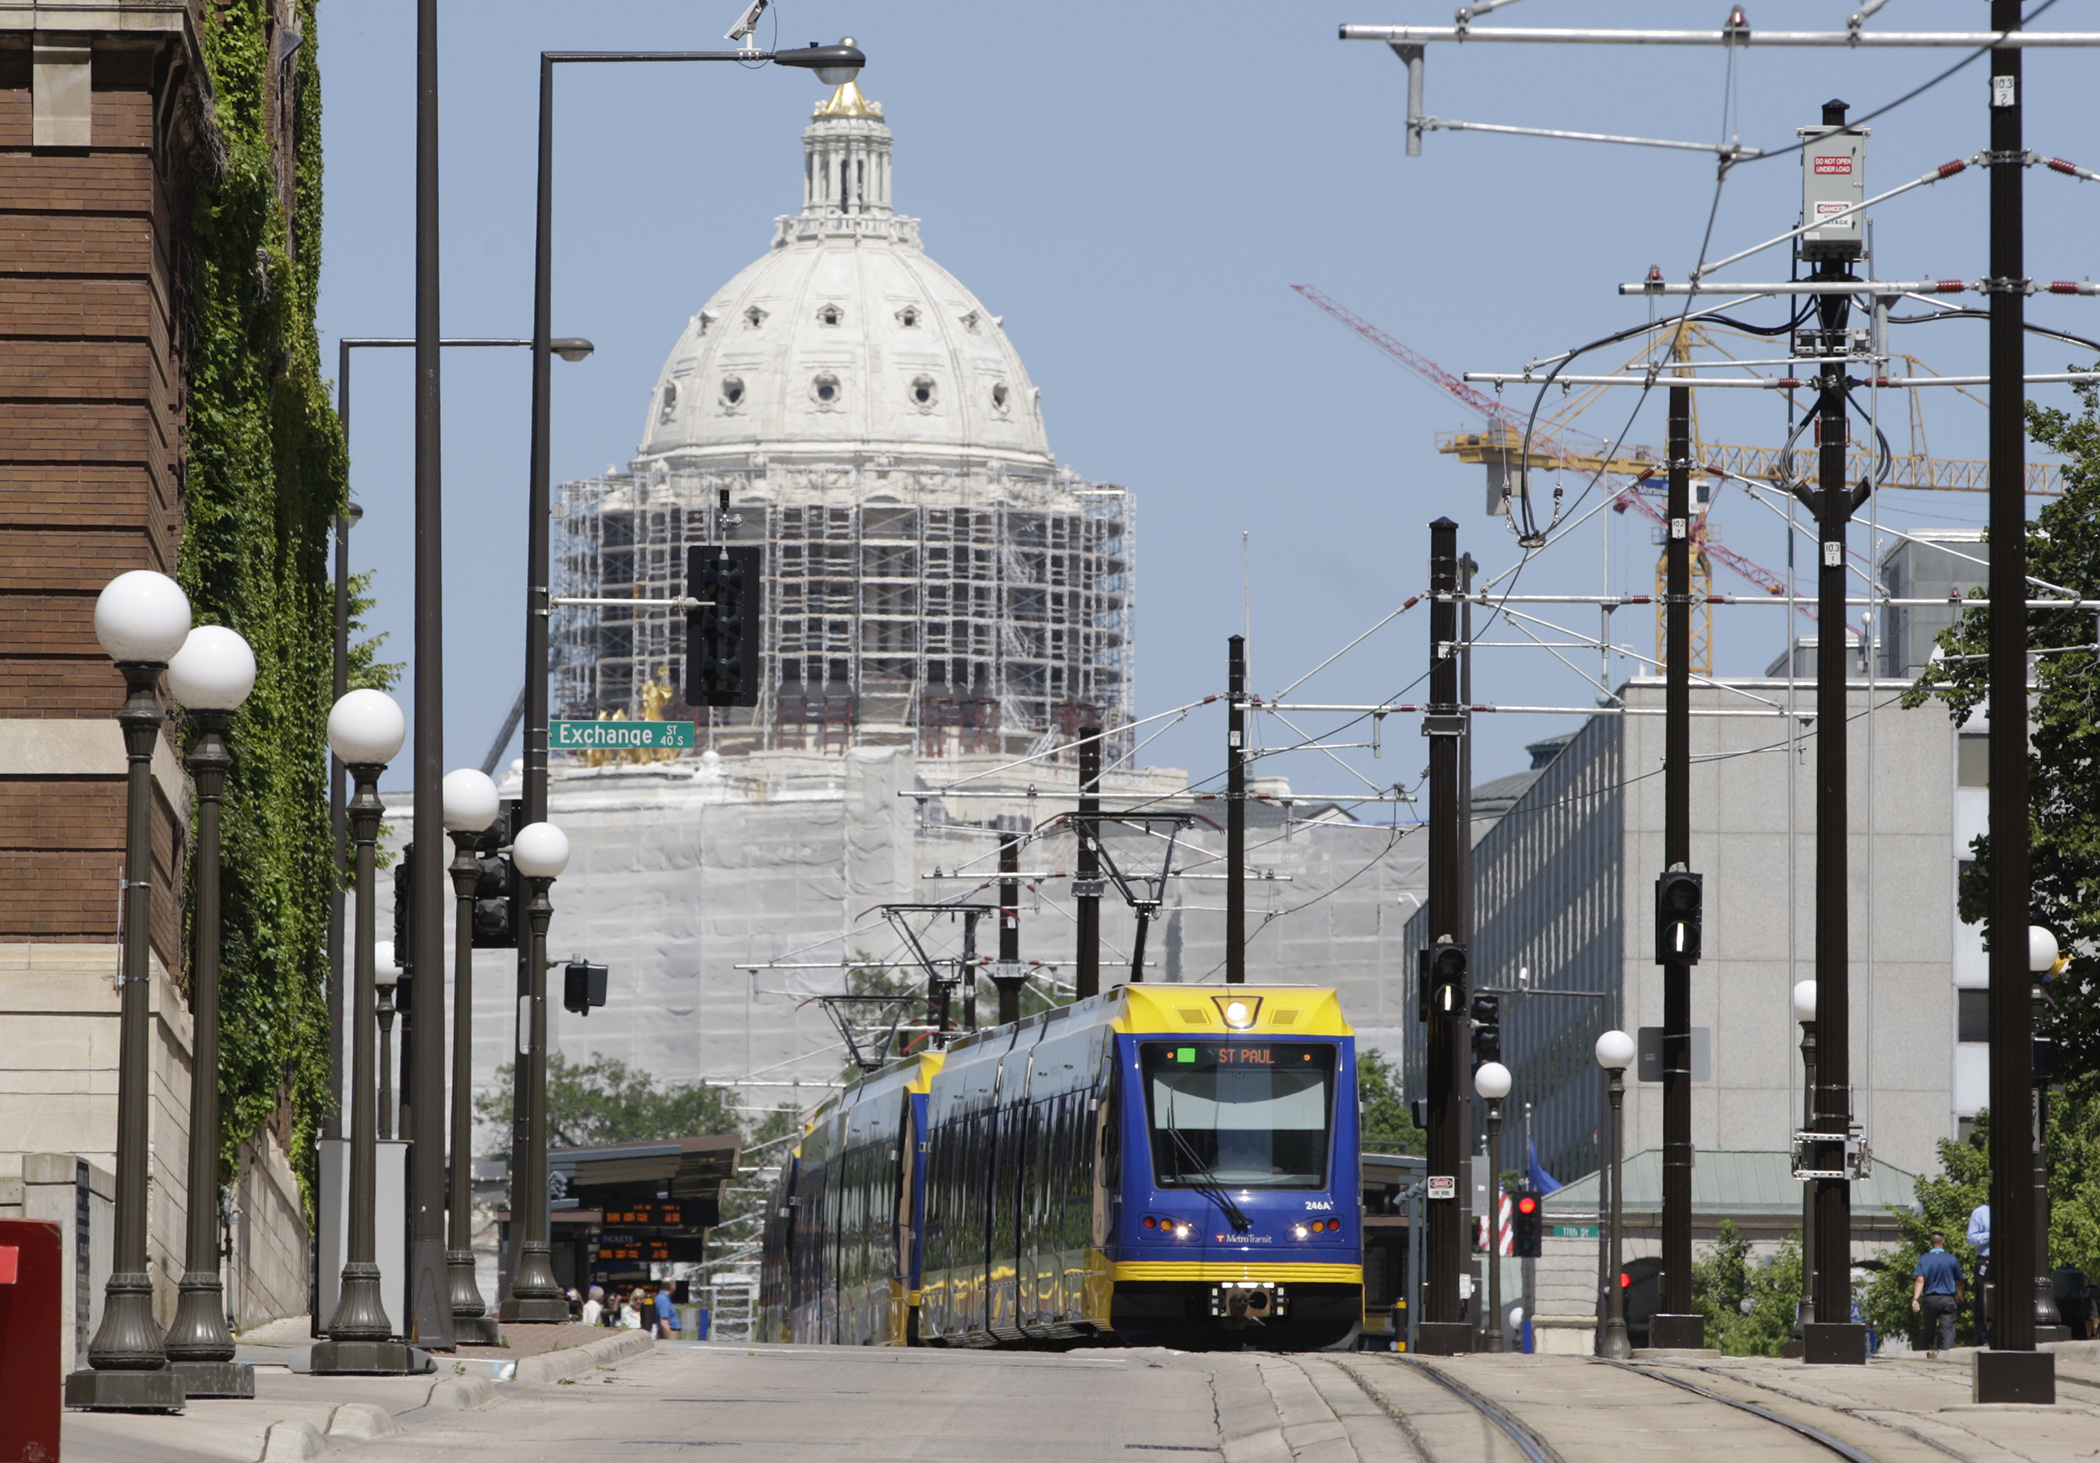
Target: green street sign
(617, 736)
(1574, 1231)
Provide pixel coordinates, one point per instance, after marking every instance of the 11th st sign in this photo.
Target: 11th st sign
(617, 736)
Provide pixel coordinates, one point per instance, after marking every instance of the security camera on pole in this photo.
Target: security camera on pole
(142, 619)
(211, 676)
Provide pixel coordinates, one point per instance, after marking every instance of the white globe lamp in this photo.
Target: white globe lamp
(1492, 1081)
(142, 616)
(1805, 1001)
(471, 803)
(1615, 1051)
(386, 970)
(366, 728)
(541, 851)
(214, 670)
(2042, 950)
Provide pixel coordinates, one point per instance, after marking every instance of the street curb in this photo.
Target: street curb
(292, 1442)
(552, 1366)
(457, 1394)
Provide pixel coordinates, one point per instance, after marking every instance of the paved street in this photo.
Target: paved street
(813, 1403)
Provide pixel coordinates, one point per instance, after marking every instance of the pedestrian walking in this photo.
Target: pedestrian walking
(1980, 1242)
(630, 1311)
(666, 1313)
(1935, 1294)
(594, 1307)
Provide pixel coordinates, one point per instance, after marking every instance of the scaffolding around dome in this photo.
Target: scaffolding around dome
(952, 610)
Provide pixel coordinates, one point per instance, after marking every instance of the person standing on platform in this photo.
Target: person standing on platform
(1935, 1294)
(666, 1313)
(1980, 1242)
(594, 1306)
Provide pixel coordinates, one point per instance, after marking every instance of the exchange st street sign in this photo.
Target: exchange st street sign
(617, 736)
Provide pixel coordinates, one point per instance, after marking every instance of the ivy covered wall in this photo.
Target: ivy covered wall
(264, 475)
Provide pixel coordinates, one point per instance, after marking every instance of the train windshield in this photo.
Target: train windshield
(1239, 1115)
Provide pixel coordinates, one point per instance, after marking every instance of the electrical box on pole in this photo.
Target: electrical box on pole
(1833, 181)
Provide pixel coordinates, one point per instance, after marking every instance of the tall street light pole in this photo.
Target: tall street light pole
(142, 619)
(1492, 1082)
(540, 852)
(211, 675)
(1615, 1051)
(832, 65)
(471, 807)
(366, 730)
(1236, 810)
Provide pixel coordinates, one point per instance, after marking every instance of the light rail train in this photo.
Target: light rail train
(1160, 1165)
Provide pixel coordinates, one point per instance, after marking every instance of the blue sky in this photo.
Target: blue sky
(1135, 187)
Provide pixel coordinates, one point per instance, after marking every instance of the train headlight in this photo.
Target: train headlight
(1181, 1231)
(1238, 1016)
(1300, 1231)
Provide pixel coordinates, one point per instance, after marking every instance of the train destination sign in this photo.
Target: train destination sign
(619, 736)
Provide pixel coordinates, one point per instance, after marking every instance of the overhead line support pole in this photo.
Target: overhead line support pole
(1236, 811)
(1086, 886)
(1678, 1324)
(2012, 1370)
(1440, 1330)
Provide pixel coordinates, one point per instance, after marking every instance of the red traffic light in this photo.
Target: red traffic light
(1625, 1281)
(1526, 1204)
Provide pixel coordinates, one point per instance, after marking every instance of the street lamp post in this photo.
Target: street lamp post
(1492, 1081)
(366, 730)
(1615, 1052)
(471, 806)
(540, 852)
(211, 675)
(338, 818)
(386, 979)
(2042, 952)
(1805, 1013)
(833, 66)
(142, 619)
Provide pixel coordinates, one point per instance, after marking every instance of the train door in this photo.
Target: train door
(902, 1327)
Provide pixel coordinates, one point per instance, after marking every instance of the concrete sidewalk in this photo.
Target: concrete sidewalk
(296, 1415)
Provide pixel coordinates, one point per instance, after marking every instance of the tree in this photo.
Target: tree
(1748, 1304)
(1944, 1203)
(604, 1100)
(2063, 762)
(1384, 1118)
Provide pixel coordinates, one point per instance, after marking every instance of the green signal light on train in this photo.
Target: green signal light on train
(1185, 1054)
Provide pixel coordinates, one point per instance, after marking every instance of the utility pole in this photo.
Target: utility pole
(1236, 811)
(429, 1323)
(1444, 998)
(1086, 886)
(2012, 1370)
(1677, 1324)
(1007, 975)
(1832, 1338)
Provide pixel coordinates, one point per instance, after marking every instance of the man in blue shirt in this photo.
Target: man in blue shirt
(1935, 1294)
(1980, 1242)
(667, 1314)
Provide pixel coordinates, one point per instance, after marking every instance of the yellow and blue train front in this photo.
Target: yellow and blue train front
(1238, 1218)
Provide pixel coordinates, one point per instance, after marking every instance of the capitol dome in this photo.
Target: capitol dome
(845, 335)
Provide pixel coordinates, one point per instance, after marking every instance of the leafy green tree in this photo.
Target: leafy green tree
(604, 1100)
(2074, 1177)
(1383, 1115)
(2063, 763)
(1748, 1304)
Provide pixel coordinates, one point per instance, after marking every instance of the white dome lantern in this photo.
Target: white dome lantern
(214, 670)
(142, 616)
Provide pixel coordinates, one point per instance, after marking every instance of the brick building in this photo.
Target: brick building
(106, 116)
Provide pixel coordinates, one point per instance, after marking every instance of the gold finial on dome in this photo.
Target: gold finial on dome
(847, 101)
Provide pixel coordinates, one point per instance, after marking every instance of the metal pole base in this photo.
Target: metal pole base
(1677, 1333)
(1614, 1344)
(471, 1322)
(199, 1333)
(360, 1312)
(92, 1391)
(2012, 1376)
(1834, 1343)
(535, 1298)
(369, 1359)
(215, 1378)
(481, 1330)
(1444, 1338)
(127, 1340)
(530, 1310)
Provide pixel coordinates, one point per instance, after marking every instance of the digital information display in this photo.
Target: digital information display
(1207, 1054)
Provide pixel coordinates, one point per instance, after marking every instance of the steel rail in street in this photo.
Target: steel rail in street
(1814, 1434)
(1529, 1443)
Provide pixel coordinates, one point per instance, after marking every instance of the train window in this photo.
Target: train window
(1242, 1114)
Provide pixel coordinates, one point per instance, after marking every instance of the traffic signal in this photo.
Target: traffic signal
(499, 893)
(582, 987)
(1487, 1028)
(1529, 1229)
(404, 909)
(1442, 990)
(1679, 896)
(722, 632)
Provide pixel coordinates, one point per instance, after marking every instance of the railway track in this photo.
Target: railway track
(1536, 1448)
